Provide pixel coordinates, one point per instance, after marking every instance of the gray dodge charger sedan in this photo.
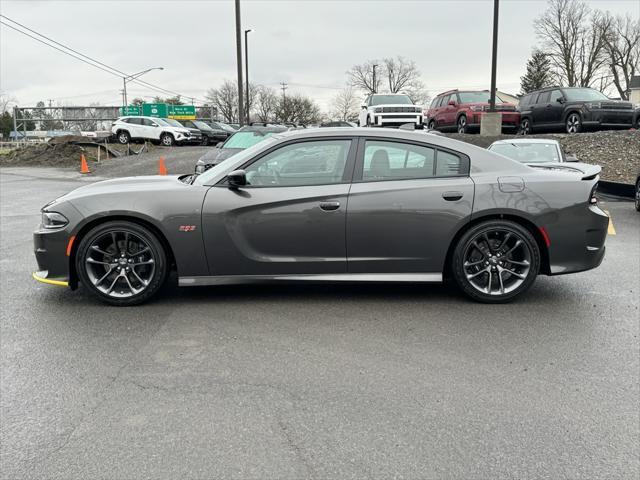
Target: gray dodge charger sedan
(328, 205)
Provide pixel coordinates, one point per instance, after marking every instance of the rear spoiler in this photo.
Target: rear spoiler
(585, 170)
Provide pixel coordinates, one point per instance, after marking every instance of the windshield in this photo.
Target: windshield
(241, 157)
(476, 97)
(583, 94)
(528, 152)
(226, 127)
(173, 123)
(390, 99)
(201, 125)
(245, 139)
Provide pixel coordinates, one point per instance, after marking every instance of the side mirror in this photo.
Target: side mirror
(364, 107)
(452, 103)
(155, 125)
(237, 179)
(560, 100)
(571, 158)
(219, 144)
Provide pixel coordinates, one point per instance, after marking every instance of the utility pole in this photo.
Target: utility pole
(246, 72)
(374, 78)
(494, 55)
(284, 98)
(239, 63)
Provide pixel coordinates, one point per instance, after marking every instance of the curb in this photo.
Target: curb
(626, 190)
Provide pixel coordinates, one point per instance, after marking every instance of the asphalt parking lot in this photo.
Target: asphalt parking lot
(317, 381)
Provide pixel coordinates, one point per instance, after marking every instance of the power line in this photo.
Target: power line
(92, 61)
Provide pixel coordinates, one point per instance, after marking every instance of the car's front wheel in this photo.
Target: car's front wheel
(462, 124)
(122, 263)
(573, 123)
(525, 126)
(167, 140)
(205, 140)
(123, 137)
(432, 125)
(495, 261)
(638, 196)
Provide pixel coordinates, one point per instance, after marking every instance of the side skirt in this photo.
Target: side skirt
(338, 277)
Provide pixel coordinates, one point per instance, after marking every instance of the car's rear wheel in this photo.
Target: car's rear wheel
(167, 139)
(462, 124)
(123, 137)
(638, 196)
(573, 123)
(205, 141)
(525, 126)
(122, 263)
(495, 261)
(432, 125)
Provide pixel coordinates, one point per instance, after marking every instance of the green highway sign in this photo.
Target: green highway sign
(131, 110)
(155, 110)
(182, 112)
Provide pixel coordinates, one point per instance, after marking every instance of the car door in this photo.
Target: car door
(289, 219)
(541, 113)
(441, 114)
(148, 129)
(555, 108)
(135, 127)
(406, 203)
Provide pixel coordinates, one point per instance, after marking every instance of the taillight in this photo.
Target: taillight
(593, 198)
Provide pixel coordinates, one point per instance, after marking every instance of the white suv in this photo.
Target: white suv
(389, 109)
(149, 128)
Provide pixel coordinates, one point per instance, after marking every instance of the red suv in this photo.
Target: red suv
(462, 110)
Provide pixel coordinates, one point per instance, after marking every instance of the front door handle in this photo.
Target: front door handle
(329, 206)
(452, 196)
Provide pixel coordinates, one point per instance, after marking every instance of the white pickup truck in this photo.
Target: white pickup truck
(389, 109)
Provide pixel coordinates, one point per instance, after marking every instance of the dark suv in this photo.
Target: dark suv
(462, 110)
(572, 109)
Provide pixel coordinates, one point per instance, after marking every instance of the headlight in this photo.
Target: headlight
(377, 110)
(53, 220)
(593, 105)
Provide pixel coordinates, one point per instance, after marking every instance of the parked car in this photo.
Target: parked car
(462, 110)
(209, 135)
(389, 110)
(243, 138)
(543, 153)
(333, 205)
(196, 136)
(336, 123)
(636, 117)
(130, 128)
(221, 126)
(637, 197)
(572, 109)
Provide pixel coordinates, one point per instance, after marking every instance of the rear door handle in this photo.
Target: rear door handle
(329, 206)
(452, 196)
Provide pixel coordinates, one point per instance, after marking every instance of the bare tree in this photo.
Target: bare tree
(401, 74)
(573, 40)
(345, 104)
(225, 99)
(621, 36)
(361, 76)
(7, 102)
(266, 104)
(298, 108)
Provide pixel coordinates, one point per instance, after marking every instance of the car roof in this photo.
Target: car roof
(527, 140)
(257, 128)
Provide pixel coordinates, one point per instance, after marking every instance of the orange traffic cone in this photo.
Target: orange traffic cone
(84, 168)
(162, 170)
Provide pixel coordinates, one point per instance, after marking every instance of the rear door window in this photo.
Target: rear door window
(544, 97)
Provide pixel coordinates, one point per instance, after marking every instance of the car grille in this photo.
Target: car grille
(400, 109)
(616, 106)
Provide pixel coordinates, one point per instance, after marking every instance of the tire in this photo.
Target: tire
(123, 137)
(368, 121)
(637, 199)
(478, 262)
(462, 124)
(525, 126)
(205, 141)
(432, 125)
(167, 140)
(573, 123)
(121, 263)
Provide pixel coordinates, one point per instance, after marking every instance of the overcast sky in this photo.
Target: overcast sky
(309, 44)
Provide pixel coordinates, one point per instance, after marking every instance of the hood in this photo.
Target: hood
(125, 184)
(585, 170)
(217, 155)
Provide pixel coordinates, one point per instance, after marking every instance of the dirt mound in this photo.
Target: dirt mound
(617, 152)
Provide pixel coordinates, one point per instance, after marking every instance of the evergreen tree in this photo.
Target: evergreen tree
(538, 73)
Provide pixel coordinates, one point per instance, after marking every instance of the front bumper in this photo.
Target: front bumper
(396, 119)
(50, 248)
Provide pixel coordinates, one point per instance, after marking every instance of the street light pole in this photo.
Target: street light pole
(494, 57)
(239, 62)
(374, 78)
(246, 72)
(128, 78)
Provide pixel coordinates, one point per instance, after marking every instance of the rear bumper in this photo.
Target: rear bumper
(509, 119)
(580, 245)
